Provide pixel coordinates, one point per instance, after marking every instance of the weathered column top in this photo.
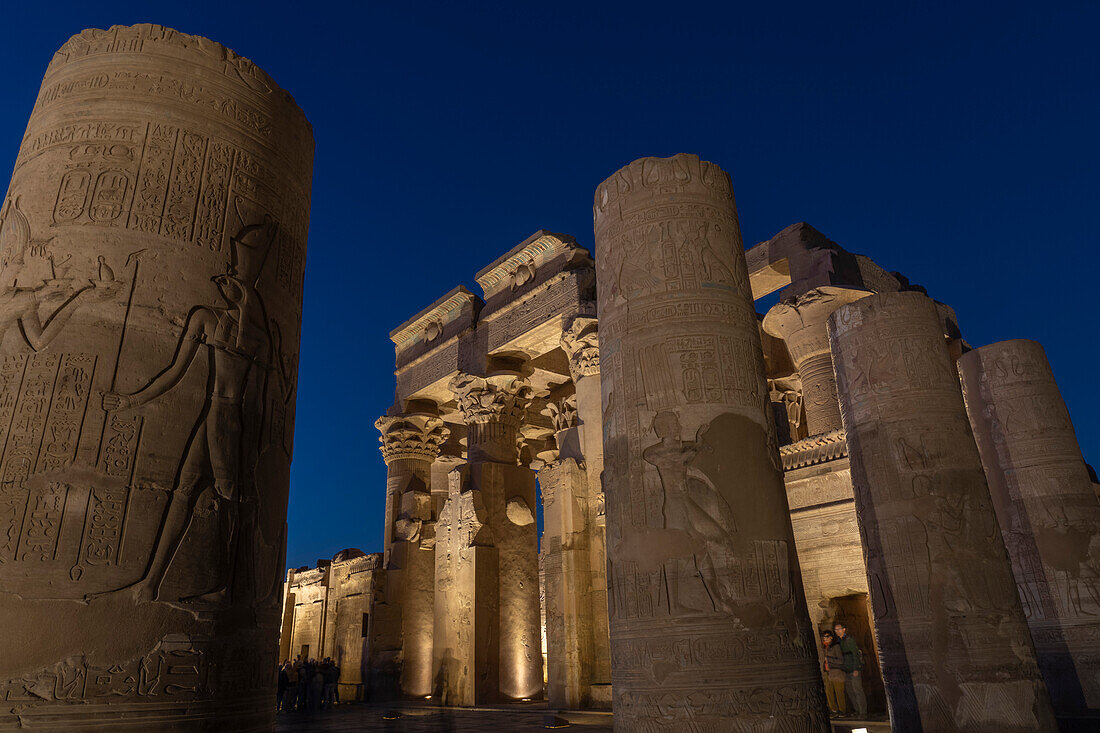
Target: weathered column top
(801, 321)
(417, 436)
(581, 343)
(498, 397)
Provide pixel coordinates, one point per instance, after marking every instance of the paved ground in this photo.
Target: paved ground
(413, 718)
(422, 719)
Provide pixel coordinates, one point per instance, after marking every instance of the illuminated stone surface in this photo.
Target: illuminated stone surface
(700, 546)
(153, 239)
(1046, 508)
(952, 639)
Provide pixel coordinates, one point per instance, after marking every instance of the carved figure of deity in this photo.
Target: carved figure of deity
(241, 350)
(693, 505)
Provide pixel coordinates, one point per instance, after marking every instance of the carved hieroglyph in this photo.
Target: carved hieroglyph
(953, 642)
(153, 242)
(1046, 509)
(403, 616)
(709, 629)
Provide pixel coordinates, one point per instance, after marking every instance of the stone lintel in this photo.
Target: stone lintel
(521, 324)
(438, 323)
(533, 260)
(814, 486)
(766, 276)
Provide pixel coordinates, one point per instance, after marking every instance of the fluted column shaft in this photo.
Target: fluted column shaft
(1046, 509)
(951, 633)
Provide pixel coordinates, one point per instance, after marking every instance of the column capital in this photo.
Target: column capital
(497, 398)
(562, 413)
(801, 320)
(415, 435)
(581, 343)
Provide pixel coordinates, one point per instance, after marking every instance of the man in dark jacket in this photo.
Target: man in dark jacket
(332, 677)
(853, 670)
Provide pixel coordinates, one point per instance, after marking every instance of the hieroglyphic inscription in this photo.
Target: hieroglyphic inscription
(681, 360)
(183, 187)
(42, 528)
(145, 85)
(210, 219)
(946, 609)
(108, 504)
(156, 167)
(43, 399)
(163, 179)
(29, 420)
(169, 674)
(70, 402)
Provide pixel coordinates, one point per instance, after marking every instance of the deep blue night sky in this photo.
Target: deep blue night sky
(958, 146)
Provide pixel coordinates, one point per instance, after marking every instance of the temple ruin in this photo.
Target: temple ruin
(717, 484)
(649, 500)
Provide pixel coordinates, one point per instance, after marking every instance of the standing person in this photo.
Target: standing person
(329, 674)
(316, 686)
(284, 682)
(336, 690)
(290, 698)
(332, 683)
(853, 667)
(303, 683)
(834, 675)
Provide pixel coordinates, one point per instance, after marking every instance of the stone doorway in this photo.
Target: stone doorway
(854, 611)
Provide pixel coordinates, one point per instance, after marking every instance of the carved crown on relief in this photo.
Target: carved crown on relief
(411, 436)
(581, 343)
(495, 398)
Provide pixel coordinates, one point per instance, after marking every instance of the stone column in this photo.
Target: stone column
(708, 621)
(563, 484)
(1047, 511)
(493, 407)
(581, 344)
(467, 619)
(801, 323)
(403, 622)
(153, 240)
(953, 643)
